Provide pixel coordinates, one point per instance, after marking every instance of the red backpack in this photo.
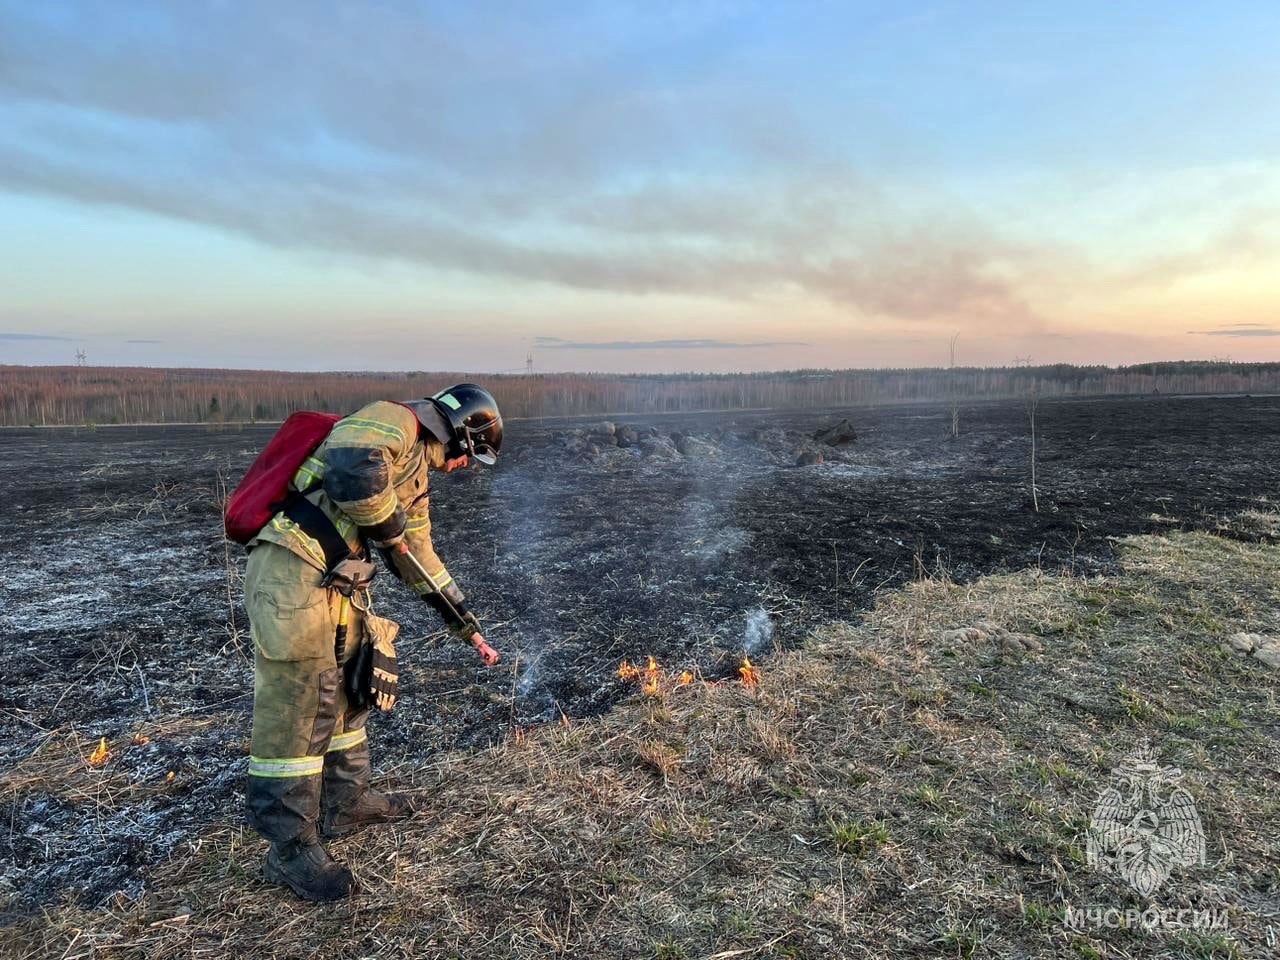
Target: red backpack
(265, 487)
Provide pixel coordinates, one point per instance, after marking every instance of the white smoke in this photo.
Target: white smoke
(530, 675)
(759, 631)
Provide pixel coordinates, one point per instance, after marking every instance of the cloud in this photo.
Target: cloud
(537, 150)
(565, 167)
(1245, 240)
(1239, 330)
(32, 336)
(555, 343)
(144, 341)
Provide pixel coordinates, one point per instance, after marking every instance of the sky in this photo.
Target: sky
(641, 187)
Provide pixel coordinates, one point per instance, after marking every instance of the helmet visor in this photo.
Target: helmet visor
(484, 455)
(482, 442)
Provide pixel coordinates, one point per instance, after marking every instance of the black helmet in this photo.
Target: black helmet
(474, 422)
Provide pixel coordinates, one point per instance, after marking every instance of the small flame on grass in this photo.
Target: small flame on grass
(168, 777)
(100, 755)
(652, 679)
(518, 735)
(749, 674)
(141, 739)
(564, 718)
(650, 676)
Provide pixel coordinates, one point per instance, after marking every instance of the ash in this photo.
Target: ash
(695, 539)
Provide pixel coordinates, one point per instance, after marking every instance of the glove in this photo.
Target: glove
(452, 607)
(468, 629)
(384, 682)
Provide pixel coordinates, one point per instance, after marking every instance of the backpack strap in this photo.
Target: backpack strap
(319, 527)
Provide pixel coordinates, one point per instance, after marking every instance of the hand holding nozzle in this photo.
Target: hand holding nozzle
(489, 655)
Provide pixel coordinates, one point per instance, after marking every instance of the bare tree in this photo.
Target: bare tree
(955, 398)
(1033, 403)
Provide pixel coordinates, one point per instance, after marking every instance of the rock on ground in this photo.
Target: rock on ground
(837, 435)
(659, 448)
(1244, 642)
(694, 447)
(1269, 653)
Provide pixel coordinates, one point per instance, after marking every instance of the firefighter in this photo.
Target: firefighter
(307, 595)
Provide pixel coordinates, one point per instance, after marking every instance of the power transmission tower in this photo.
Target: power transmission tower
(81, 358)
(528, 365)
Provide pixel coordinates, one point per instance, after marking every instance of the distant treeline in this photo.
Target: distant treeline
(77, 395)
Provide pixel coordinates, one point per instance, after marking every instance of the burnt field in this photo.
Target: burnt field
(696, 540)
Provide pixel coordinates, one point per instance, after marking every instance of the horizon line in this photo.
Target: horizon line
(522, 374)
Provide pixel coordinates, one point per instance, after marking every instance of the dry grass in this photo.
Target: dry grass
(63, 765)
(884, 792)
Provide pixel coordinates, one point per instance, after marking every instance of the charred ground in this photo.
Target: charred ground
(123, 619)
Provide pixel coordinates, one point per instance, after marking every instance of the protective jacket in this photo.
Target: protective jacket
(369, 477)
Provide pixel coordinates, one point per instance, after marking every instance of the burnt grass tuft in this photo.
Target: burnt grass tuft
(123, 619)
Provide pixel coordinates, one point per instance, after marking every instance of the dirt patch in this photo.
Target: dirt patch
(122, 606)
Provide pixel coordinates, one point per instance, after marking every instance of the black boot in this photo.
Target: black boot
(284, 810)
(349, 803)
(305, 867)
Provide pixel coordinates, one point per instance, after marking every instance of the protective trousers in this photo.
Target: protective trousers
(303, 732)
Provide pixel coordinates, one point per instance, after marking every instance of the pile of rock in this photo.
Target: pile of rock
(1256, 645)
(775, 444)
(1011, 645)
(606, 437)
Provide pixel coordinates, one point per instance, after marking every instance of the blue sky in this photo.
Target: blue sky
(623, 186)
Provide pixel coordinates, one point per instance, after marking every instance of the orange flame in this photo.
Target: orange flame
(652, 679)
(141, 739)
(100, 755)
(168, 777)
(750, 675)
(650, 676)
